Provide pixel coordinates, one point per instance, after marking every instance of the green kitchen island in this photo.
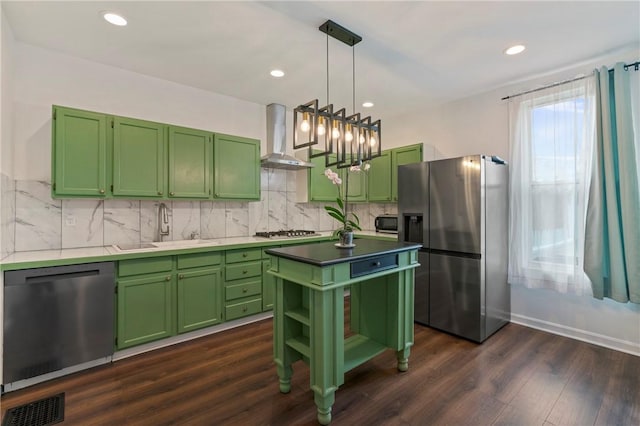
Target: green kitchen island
(308, 323)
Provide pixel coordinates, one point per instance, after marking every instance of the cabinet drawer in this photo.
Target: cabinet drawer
(373, 265)
(243, 309)
(198, 259)
(245, 289)
(243, 255)
(243, 270)
(144, 266)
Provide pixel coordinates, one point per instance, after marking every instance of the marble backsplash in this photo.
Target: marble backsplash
(32, 220)
(7, 215)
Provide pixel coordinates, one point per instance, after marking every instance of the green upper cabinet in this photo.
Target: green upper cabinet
(399, 156)
(139, 158)
(380, 178)
(236, 167)
(79, 154)
(320, 187)
(189, 163)
(357, 185)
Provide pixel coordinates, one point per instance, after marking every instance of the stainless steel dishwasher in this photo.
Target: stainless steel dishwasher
(56, 317)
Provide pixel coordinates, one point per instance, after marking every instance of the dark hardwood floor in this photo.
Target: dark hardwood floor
(519, 376)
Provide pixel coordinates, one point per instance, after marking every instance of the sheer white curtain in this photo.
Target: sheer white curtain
(634, 82)
(551, 138)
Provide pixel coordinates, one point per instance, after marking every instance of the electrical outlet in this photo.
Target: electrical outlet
(70, 221)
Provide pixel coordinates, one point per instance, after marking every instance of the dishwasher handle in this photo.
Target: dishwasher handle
(64, 276)
(55, 273)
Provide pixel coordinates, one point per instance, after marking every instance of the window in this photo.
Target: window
(551, 144)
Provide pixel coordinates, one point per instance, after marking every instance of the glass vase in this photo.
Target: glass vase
(346, 239)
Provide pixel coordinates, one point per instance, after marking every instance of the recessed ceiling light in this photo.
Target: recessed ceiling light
(367, 104)
(114, 19)
(514, 50)
(277, 73)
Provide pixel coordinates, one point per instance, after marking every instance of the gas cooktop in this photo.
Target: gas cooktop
(289, 233)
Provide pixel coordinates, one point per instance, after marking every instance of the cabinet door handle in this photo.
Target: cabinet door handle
(172, 194)
(244, 309)
(102, 191)
(168, 278)
(376, 264)
(181, 276)
(244, 254)
(159, 192)
(244, 290)
(244, 272)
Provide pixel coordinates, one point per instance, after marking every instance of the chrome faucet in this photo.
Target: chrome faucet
(163, 221)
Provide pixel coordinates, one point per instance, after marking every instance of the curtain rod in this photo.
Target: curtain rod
(635, 65)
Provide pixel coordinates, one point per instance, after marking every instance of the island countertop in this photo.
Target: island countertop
(326, 253)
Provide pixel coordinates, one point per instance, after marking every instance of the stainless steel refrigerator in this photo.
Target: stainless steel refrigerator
(458, 209)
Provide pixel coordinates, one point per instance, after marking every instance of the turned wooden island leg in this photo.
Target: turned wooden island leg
(403, 359)
(324, 404)
(282, 356)
(327, 348)
(284, 373)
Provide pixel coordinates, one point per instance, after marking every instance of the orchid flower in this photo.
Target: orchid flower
(341, 214)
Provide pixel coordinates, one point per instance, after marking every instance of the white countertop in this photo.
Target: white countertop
(87, 253)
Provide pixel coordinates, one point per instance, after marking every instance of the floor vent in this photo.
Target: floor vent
(44, 412)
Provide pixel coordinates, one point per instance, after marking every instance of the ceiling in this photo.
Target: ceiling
(413, 54)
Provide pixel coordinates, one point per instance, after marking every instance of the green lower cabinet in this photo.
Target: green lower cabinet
(243, 283)
(243, 297)
(199, 299)
(145, 309)
(268, 286)
(243, 308)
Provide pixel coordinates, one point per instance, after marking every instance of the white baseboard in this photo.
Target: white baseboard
(626, 346)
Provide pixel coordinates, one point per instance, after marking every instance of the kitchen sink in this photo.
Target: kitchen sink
(184, 243)
(164, 245)
(129, 247)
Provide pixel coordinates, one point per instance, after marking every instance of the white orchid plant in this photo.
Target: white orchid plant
(341, 213)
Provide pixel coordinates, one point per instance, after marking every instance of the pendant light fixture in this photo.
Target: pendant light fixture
(344, 140)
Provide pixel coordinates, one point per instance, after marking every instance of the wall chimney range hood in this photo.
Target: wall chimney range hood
(276, 157)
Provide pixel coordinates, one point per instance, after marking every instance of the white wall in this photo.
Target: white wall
(479, 124)
(6, 93)
(44, 77)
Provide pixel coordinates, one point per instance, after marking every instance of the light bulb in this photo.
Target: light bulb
(361, 139)
(321, 129)
(304, 126)
(348, 136)
(335, 133)
(372, 141)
